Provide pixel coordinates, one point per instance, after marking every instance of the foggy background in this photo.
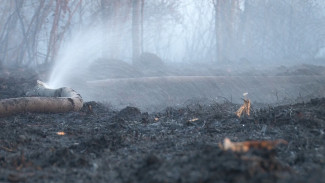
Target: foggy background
(84, 41)
(33, 32)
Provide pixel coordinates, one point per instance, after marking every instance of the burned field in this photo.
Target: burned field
(103, 144)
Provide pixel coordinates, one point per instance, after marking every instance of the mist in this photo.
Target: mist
(146, 53)
(162, 91)
(190, 31)
(176, 31)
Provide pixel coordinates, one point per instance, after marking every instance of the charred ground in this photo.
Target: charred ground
(103, 144)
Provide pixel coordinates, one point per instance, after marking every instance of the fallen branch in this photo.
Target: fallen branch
(173, 90)
(247, 145)
(43, 100)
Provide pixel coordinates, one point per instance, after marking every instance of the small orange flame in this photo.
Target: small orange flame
(60, 133)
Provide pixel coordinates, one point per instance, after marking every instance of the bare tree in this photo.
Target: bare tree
(25, 25)
(226, 12)
(136, 28)
(64, 11)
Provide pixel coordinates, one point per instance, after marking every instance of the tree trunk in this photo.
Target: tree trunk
(142, 14)
(52, 45)
(44, 101)
(218, 4)
(225, 27)
(136, 29)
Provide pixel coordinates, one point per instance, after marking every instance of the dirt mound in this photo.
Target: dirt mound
(15, 83)
(150, 64)
(111, 68)
(303, 69)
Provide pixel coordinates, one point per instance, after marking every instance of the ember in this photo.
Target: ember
(60, 133)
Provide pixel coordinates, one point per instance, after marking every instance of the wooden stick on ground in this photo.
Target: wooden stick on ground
(245, 108)
(247, 145)
(43, 100)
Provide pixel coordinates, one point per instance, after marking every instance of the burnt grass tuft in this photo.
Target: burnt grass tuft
(102, 144)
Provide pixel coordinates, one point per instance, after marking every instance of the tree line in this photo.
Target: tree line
(32, 31)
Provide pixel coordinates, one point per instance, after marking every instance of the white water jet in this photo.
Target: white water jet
(75, 56)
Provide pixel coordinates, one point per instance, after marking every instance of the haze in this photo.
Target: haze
(86, 41)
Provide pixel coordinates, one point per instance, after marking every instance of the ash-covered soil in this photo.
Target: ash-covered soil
(102, 144)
